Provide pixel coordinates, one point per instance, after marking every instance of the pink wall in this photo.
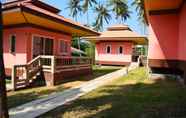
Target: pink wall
(20, 57)
(56, 36)
(163, 37)
(167, 38)
(24, 44)
(127, 47)
(182, 34)
(114, 56)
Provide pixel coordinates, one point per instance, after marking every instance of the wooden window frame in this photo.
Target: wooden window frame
(12, 51)
(63, 51)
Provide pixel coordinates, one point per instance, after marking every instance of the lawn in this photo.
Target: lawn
(26, 95)
(132, 96)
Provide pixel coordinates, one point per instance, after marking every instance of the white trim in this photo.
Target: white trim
(119, 50)
(110, 49)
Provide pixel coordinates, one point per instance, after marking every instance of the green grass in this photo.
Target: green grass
(132, 96)
(8, 81)
(26, 95)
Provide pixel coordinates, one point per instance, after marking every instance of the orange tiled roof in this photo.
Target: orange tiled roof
(119, 33)
(43, 8)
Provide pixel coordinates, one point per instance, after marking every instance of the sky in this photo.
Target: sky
(132, 22)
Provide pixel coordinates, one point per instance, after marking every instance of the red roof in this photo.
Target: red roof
(43, 8)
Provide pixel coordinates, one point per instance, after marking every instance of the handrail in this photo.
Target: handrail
(33, 60)
(52, 64)
(73, 57)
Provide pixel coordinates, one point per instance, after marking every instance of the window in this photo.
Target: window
(108, 49)
(12, 44)
(63, 47)
(120, 50)
(42, 46)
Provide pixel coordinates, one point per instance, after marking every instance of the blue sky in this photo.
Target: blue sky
(132, 22)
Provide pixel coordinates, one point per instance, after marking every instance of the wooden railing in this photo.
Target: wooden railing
(23, 75)
(70, 63)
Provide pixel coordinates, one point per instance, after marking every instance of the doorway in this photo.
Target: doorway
(42, 46)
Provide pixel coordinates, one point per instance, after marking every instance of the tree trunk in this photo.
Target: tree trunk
(3, 97)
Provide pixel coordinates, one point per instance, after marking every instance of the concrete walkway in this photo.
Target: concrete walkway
(41, 106)
(9, 87)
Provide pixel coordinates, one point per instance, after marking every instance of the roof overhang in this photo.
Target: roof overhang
(136, 40)
(155, 7)
(24, 15)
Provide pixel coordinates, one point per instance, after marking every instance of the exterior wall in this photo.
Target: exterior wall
(182, 34)
(20, 57)
(163, 37)
(55, 36)
(167, 44)
(114, 58)
(24, 45)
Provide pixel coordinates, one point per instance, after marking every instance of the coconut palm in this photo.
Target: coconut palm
(120, 8)
(139, 5)
(3, 98)
(103, 15)
(75, 8)
(86, 5)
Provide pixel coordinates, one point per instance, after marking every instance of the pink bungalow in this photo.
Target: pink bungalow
(116, 45)
(37, 40)
(167, 34)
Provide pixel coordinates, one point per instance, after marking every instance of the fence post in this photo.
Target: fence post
(27, 76)
(13, 78)
(53, 64)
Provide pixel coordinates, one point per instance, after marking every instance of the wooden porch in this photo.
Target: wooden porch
(52, 68)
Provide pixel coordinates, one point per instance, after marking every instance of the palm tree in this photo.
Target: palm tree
(75, 8)
(120, 8)
(86, 5)
(3, 98)
(103, 15)
(139, 5)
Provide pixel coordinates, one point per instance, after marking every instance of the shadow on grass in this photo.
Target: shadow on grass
(157, 99)
(39, 90)
(27, 95)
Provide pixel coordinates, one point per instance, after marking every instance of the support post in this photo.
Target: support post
(13, 78)
(184, 77)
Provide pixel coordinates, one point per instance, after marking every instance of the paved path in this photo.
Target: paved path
(41, 106)
(8, 87)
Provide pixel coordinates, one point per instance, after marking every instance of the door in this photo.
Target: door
(42, 46)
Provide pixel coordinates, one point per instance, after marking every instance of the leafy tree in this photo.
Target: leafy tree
(86, 5)
(139, 5)
(3, 98)
(103, 11)
(120, 8)
(75, 8)
(103, 15)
